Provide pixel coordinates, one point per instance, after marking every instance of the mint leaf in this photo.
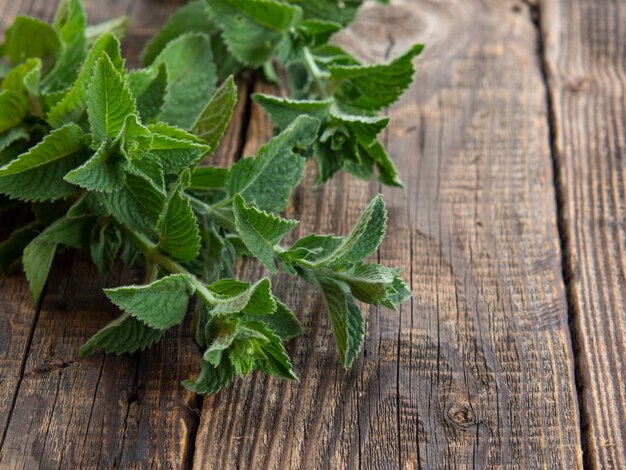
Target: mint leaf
(160, 305)
(102, 172)
(282, 321)
(191, 76)
(346, 319)
(70, 22)
(211, 379)
(115, 26)
(29, 38)
(268, 179)
(106, 241)
(238, 297)
(123, 335)
(213, 122)
(38, 174)
(260, 231)
(365, 236)
(174, 148)
(207, 178)
(374, 87)
(178, 225)
(37, 260)
(252, 29)
(149, 86)
(13, 109)
(73, 104)
(283, 111)
(11, 249)
(110, 100)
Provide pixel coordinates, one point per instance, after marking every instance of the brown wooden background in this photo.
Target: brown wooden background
(511, 231)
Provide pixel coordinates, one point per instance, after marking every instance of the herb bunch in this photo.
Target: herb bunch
(108, 161)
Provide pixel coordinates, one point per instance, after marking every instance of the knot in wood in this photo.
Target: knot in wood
(461, 415)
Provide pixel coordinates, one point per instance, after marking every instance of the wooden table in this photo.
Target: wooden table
(511, 231)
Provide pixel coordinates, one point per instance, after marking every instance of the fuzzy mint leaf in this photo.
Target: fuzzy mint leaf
(149, 86)
(106, 241)
(365, 236)
(103, 172)
(29, 38)
(38, 255)
(174, 148)
(283, 111)
(116, 26)
(70, 23)
(260, 231)
(191, 76)
(72, 106)
(252, 29)
(214, 120)
(180, 237)
(192, 17)
(374, 87)
(211, 379)
(110, 100)
(13, 109)
(137, 205)
(346, 319)
(282, 322)
(208, 178)
(235, 297)
(160, 305)
(37, 175)
(123, 335)
(268, 179)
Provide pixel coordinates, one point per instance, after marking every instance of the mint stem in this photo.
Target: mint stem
(154, 257)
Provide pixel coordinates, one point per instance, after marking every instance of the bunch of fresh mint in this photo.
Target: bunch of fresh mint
(107, 161)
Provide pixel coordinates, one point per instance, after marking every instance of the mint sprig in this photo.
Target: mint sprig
(109, 161)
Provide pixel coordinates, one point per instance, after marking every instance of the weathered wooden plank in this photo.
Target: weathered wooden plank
(478, 369)
(99, 412)
(586, 66)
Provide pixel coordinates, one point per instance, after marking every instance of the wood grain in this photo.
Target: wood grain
(478, 369)
(586, 69)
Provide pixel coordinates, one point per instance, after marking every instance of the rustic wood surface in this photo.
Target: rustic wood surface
(510, 353)
(585, 44)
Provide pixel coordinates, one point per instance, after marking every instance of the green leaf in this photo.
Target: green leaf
(72, 106)
(12, 248)
(39, 253)
(208, 178)
(149, 86)
(37, 260)
(365, 236)
(29, 38)
(192, 17)
(160, 305)
(214, 120)
(283, 111)
(106, 241)
(70, 22)
(110, 100)
(234, 296)
(134, 140)
(346, 319)
(268, 179)
(175, 148)
(137, 205)
(339, 11)
(38, 174)
(13, 109)
(269, 353)
(123, 335)
(252, 29)
(374, 87)
(103, 172)
(282, 322)
(211, 379)
(191, 75)
(180, 237)
(260, 231)
(115, 26)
